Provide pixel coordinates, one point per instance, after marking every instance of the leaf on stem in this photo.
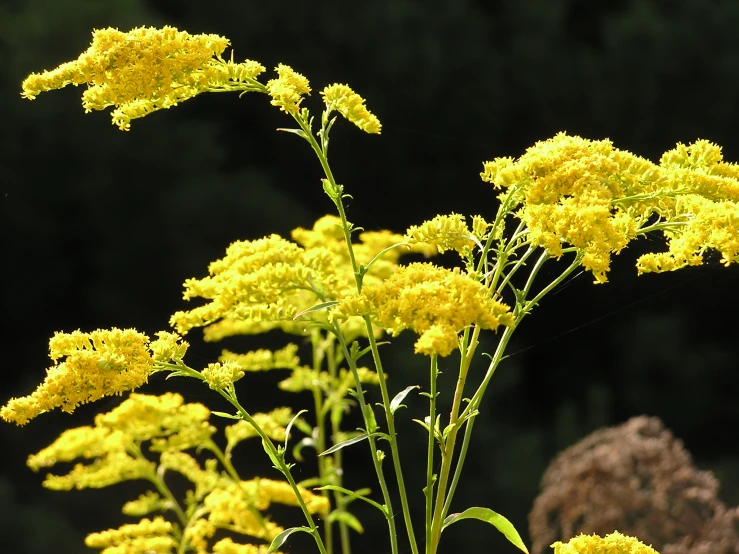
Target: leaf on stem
(280, 539)
(355, 495)
(344, 444)
(316, 308)
(290, 425)
(395, 403)
(493, 518)
(227, 416)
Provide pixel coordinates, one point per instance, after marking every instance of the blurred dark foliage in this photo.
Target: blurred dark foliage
(639, 479)
(100, 228)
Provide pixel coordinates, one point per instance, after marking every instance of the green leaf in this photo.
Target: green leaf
(280, 539)
(354, 495)
(493, 518)
(298, 132)
(344, 444)
(395, 403)
(227, 416)
(316, 308)
(290, 425)
(347, 518)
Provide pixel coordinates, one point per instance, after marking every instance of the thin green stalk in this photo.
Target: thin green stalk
(447, 454)
(321, 438)
(434, 373)
(278, 459)
(320, 150)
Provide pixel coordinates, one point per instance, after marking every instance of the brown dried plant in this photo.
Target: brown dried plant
(639, 479)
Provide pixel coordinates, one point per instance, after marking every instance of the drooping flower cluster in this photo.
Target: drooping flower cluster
(148, 69)
(97, 364)
(585, 194)
(113, 450)
(264, 284)
(349, 104)
(434, 302)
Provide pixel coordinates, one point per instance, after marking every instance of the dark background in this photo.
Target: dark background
(100, 228)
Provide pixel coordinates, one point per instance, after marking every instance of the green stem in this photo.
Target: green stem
(278, 458)
(447, 454)
(430, 452)
(320, 150)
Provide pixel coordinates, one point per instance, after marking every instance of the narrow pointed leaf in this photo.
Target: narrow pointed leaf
(280, 539)
(344, 444)
(316, 308)
(227, 416)
(395, 403)
(354, 495)
(493, 518)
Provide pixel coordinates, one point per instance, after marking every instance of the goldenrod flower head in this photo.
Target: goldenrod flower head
(144, 536)
(197, 534)
(166, 420)
(220, 376)
(145, 70)
(434, 302)
(168, 348)
(145, 504)
(349, 104)
(205, 479)
(615, 543)
(589, 195)
(79, 442)
(236, 507)
(97, 364)
(445, 232)
(288, 89)
(228, 546)
(266, 282)
(115, 467)
(263, 359)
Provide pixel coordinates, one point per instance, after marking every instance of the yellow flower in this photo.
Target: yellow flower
(349, 104)
(615, 543)
(221, 376)
(227, 546)
(288, 89)
(145, 70)
(145, 536)
(263, 359)
(445, 232)
(434, 302)
(97, 364)
(595, 198)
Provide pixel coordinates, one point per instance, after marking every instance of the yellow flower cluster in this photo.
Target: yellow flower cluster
(615, 543)
(434, 302)
(145, 70)
(228, 546)
(263, 359)
(264, 284)
(596, 198)
(222, 376)
(151, 536)
(444, 232)
(166, 421)
(97, 364)
(349, 104)
(288, 89)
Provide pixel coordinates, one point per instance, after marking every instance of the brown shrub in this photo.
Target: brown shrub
(636, 478)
